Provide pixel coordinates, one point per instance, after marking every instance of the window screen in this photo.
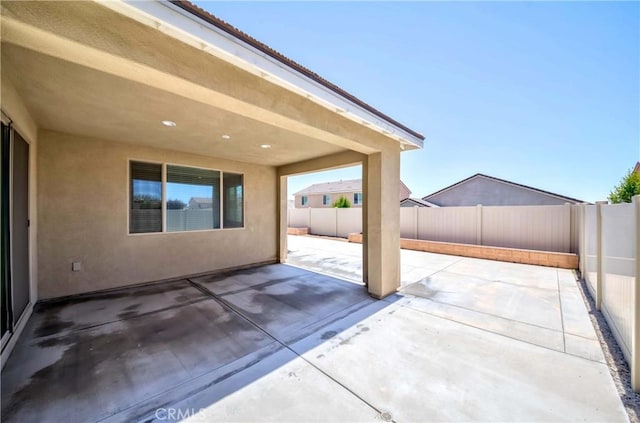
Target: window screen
(145, 214)
(357, 198)
(325, 200)
(193, 199)
(233, 200)
(304, 200)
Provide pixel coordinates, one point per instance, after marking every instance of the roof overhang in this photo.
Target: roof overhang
(175, 21)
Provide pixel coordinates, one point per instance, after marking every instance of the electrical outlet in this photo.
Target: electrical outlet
(76, 266)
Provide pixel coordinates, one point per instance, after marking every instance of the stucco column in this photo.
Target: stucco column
(282, 218)
(381, 181)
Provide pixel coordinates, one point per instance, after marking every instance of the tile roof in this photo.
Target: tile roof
(235, 32)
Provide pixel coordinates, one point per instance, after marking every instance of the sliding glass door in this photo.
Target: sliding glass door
(20, 227)
(5, 269)
(14, 229)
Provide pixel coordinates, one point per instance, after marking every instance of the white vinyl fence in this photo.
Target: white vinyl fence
(606, 237)
(610, 264)
(327, 221)
(546, 228)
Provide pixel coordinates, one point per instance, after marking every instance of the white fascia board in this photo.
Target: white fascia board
(182, 25)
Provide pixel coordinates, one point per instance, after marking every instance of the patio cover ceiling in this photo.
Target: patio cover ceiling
(85, 69)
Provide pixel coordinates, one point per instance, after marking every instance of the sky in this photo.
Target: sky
(545, 94)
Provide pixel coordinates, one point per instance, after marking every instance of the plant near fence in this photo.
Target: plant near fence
(341, 203)
(626, 189)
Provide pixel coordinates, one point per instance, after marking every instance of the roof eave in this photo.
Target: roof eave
(200, 29)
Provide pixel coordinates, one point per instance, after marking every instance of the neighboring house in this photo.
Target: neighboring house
(416, 202)
(200, 203)
(107, 104)
(637, 168)
(326, 193)
(490, 191)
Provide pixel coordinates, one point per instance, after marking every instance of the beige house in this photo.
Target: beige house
(115, 114)
(326, 193)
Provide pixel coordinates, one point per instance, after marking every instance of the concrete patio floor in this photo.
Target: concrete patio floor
(471, 341)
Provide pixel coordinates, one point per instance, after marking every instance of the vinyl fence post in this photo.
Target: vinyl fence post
(568, 238)
(582, 243)
(599, 205)
(635, 328)
(416, 211)
(479, 224)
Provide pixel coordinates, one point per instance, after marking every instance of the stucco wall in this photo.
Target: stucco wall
(492, 193)
(404, 192)
(83, 209)
(315, 200)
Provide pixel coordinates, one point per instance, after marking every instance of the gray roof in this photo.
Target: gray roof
(480, 175)
(201, 200)
(350, 185)
(418, 202)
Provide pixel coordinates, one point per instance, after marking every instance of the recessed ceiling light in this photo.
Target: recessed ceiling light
(225, 137)
(265, 145)
(168, 123)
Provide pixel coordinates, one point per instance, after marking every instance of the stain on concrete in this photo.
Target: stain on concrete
(127, 292)
(52, 324)
(329, 334)
(130, 311)
(386, 416)
(260, 286)
(128, 314)
(55, 341)
(99, 363)
(132, 307)
(125, 363)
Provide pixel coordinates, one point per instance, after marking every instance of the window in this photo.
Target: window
(145, 214)
(180, 198)
(304, 200)
(357, 198)
(326, 200)
(233, 200)
(192, 198)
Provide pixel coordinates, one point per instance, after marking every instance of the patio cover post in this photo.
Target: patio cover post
(283, 210)
(381, 228)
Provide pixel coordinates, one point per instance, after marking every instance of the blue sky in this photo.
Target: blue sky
(543, 94)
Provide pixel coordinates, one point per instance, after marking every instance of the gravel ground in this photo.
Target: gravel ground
(618, 367)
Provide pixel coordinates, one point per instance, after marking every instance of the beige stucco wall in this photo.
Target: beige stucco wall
(404, 191)
(315, 200)
(83, 209)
